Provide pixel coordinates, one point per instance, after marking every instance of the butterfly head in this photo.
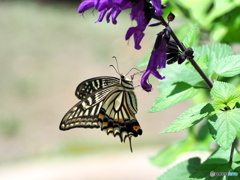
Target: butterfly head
(124, 78)
(125, 82)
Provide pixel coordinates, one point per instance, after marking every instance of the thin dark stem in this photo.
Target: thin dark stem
(183, 48)
(199, 70)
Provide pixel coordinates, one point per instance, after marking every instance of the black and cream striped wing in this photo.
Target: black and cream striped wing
(117, 114)
(92, 85)
(91, 93)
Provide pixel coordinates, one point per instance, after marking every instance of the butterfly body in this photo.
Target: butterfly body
(105, 102)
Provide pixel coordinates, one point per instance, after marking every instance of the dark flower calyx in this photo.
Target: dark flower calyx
(170, 17)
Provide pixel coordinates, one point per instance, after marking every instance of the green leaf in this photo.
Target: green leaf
(233, 99)
(190, 117)
(221, 91)
(174, 150)
(183, 170)
(214, 52)
(224, 127)
(191, 36)
(228, 66)
(236, 172)
(176, 93)
(178, 73)
(224, 95)
(217, 162)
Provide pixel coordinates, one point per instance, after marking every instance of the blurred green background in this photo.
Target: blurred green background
(46, 50)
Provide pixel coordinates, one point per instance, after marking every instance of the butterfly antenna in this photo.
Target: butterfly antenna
(114, 68)
(130, 143)
(131, 70)
(132, 76)
(117, 64)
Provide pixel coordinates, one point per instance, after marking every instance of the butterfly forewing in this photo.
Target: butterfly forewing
(92, 85)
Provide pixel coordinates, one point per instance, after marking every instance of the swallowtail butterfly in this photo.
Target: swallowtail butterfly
(108, 103)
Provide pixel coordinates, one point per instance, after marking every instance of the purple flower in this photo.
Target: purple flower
(110, 7)
(157, 60)
(137, 31)
(142, 11)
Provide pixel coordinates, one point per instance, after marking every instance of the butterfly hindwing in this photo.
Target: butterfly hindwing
(117, 114)
(77, 116)
(91, 93)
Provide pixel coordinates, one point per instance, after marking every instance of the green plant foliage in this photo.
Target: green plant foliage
(227, 26)
(178, 73)
(189, 118)
(221, 113)
(192, 36)
(213, 52)
(227, 66)
(192, 169)
(176, 93)
(218, 17)
(173, 151)
(183, 170)
(224, 127)
(217, 162)
(224, 95)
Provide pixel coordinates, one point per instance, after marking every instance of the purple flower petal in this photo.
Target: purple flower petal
(101, 16)
(144, 84)
(115, 15)
(130, 32)
(157, 4)
(108, 16)
(85, 5)
(103, 4)
(157, 61)
(136, 10)
(138, 36)
(114, 12)
(157, 75)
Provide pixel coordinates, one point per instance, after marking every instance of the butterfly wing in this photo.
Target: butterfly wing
(91, 93)
(92, 85)
(117, 114)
